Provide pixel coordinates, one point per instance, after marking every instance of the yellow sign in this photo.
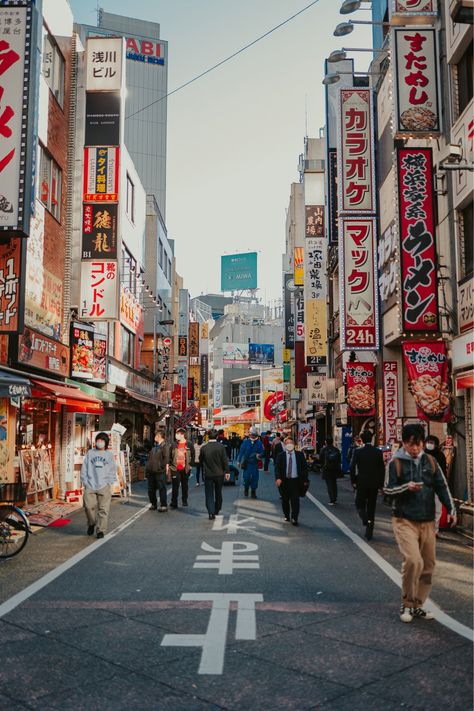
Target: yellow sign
(286, 355)
(316, 329)
(204, 400)
(204, 331)
(299, 266)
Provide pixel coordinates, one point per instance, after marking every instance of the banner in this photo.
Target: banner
(101, 174)
(99, 231)
(415, 81)
(391, 403)
(299, 266)
(12, 286)
(359, 311)
(427, 368)
(289, 289)
(193, 339)
(261, 353)
(99, 290)
(417, 240)
(356, 152)
(360, 388)
(204, 374)
(314, 225)
(315, 308)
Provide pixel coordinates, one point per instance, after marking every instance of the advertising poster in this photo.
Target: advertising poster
(101, 174)
(273, 399)
(235, 353)
(12, 286)
(99, 290)
(306, 435)
(102, 118)
(99, 231)
(417, 240)
(390, 400)
(261, 353)
(427, 369)
(299, 266)
(360, 388)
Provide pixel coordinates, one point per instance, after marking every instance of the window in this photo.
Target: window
(128, 272)
(467, 227)
(53, 67)
(50, 184)
(130, 204)
(465, 79)
(169, 271)
(127, 346)
(160, 253)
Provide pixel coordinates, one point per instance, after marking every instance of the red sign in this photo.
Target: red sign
(391, 403)
(12, 286)
(360, 383)
(427, 366)
(417, 237)
(184, 398)
(42, 352)
(176, 398)
(190, 388)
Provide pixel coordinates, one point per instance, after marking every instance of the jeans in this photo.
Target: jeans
(266, 460)
(331, 484)
(213, 490)
(290, 498)
(156, 482)
(178, 478)
(365, 501)
(251, 478)
(198, 473)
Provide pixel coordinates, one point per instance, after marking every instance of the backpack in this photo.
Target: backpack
(332, 459)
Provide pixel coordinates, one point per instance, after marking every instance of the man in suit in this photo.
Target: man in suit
(215, 467)
(291, 475)
(367, 475)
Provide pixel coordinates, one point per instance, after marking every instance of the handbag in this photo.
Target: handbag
(303, 487)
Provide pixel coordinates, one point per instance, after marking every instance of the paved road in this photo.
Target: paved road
(270, 616)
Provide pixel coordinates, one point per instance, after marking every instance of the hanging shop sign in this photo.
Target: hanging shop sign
(315, 309)
(332, 196)
(299, 315)
(408, 10)
(38, 351)
(101, 174)
(289, 290)
(88, 353)
(99, 290)
(390, 400)
(466, 304)
(176, 398)
(104, 63)
(417, 239)
(416, 77)
(360, 387)
(359, 312)
(317, 390)
(427, 368)
(204, 376)
(387, 260)
(193, 335)
(356, 161)
(12, 286)
(130, 310)
(299, 266)
(102, 118)
(99, 231)
(182, 346)
(314, 224)
(190, 388)
(18, 62)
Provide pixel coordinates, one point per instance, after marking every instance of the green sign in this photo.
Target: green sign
(239, 271)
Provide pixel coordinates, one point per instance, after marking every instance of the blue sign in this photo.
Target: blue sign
(261, 353)
(239, 271)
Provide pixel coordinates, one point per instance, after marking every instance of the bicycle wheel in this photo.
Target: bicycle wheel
(14, 531)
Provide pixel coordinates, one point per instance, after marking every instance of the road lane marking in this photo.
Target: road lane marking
(442, 617)
(235, 523)
(234, 555)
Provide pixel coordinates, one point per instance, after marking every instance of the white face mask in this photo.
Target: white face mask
(290, 447)
(100, 444)
(430, 446)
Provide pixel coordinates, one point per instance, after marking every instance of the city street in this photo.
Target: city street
(178, 612)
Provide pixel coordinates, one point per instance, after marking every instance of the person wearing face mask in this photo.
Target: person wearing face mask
(250, 453)
(181, 462)
(291, 475)
(413, 479)
(98, 475)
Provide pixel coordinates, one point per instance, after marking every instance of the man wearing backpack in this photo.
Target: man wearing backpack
(330, 460)
(413, 479)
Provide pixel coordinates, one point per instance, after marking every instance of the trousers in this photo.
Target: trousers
(157, 482)
(213, 491)
(365, 501)
(417, 543)
(250, 478)
(97, 507)
(177, 479)
(290, 498)
(331, 485)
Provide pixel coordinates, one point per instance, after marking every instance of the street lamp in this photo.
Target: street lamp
(345, 28)
(334, 77)
(349, 6)
(339, 55)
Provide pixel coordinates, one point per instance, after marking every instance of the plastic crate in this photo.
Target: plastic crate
(12, 492)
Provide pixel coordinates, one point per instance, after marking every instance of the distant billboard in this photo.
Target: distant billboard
(261, 353)
(235, 354)
(239, 271)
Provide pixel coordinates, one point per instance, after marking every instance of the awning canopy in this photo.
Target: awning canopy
(13, 385)
(238, 414)
(464, 380)
(142, 398)
(72, 398)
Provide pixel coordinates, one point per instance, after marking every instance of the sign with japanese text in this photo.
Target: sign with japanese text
(182, 346)
(412, 8)
(359, 313)
(355, 153)
(332, 196)
(299, 266)
(101, 174)
(99, 231)
(427, 368)
(289, 290)
(43, 353)
(314, 226)
(417, 240)
(391, 401)
(317, 390)
(315, 268)
(104, 61)
(388, 266)
(193, 339)
(12, 286)
(315, 309)
(466, 304)
(130, 310)
(103, 118)
(88, 353)
(416, 72)
(204, 377)
(190, 388)
(299, 315)
(360, 388)
(99, 290)
(176, 398)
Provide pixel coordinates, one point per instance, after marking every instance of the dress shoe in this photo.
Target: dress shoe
(90, 530)
(100, 534)
(369, 530)
(173, 506)
(162, 509)
(185, 503)
(152, 508)
(254, 494)
(246, 491)
(212, 517)
(294, 521)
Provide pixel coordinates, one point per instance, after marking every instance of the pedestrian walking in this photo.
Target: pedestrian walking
(215, 468)
(367, 472)
(413, 479)
(355, 443)
(181, 462)
(267, 450)
(291, 477)
(330, 461)
(157, 471)
(277, 446)
(250, 455)
(98, 475)
(234, 446)
(197, 463)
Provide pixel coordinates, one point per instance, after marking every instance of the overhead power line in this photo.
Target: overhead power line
(223, 61)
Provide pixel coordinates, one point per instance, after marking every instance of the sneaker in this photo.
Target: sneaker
(332, 503)
(163, 508)
(198, 484)
(254, 494)
(100, 534)
(90, 530)
(418, 612)
(406, 613)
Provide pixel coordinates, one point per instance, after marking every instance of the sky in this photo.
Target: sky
(234, 136)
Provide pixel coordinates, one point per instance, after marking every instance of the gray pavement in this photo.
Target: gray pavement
(326, 635)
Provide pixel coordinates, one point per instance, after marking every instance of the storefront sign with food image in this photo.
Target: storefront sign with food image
(88, 353)
(413, 8)
(360, 385)
(417, 240)
(417, 110)
(427, 367)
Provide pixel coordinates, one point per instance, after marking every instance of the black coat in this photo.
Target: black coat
(367, 468)
(157, 460)
(213, 459)
(301, 466)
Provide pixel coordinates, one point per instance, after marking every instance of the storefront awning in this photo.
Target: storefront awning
(142, 398)
(464, 380)
(13, 385)
(72, 398)
(91, 390)
(238, 414)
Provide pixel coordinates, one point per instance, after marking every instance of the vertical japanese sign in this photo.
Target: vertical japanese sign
(391, 402)
(427, 367)
(416, 76)
(359, 312)
(299, 266)
(317, 389)
(314, 222)
(131, 310)
(289, 290)
(101, 174)
(104, 63)
(99, 290)
(12, 286)
(332, 196)
(99, 231)
(182, 346)
(299, 315)
(417, 239)
(18, 30)
(176, 398)
(315, 309)
(204, 376)
(360, 384)
(356, 161)
(193, 339)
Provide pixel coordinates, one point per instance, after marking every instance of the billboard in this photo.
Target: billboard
(99, 231)
(239, 271)
(99, 290)
(315, 309)
(360, 384)
(289, 300)
(427, 368)
(273, 398)
(261, 353)
(88, 353)
(102, 118)
(235, 354)
(101, 174)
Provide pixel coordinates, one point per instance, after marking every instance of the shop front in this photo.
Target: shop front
(13, 387)
(463, 371)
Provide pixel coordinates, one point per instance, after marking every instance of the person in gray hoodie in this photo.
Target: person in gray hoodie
(98, 475)
(413, 479)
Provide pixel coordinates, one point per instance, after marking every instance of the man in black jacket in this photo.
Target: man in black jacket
(367, 475)
(156, 471)
(291, 476)
(330, 461)
(215, 467)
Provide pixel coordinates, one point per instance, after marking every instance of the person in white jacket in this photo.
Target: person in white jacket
(98, 475)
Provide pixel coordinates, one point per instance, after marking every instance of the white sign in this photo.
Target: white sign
(105, 57)
(317, 392)
(391, 404)
(414, 8)
(466, 305)
(99, 290)
(463, 351)
(68, 448)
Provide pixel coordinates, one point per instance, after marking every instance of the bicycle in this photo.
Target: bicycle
(14, 524)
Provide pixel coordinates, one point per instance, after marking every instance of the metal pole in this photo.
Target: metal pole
(154, 345)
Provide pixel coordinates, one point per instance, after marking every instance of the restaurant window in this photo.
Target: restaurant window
(464, 71)
(130, 199)
(50, 184)
(53, 67)
(127, 346)
(466, 226)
